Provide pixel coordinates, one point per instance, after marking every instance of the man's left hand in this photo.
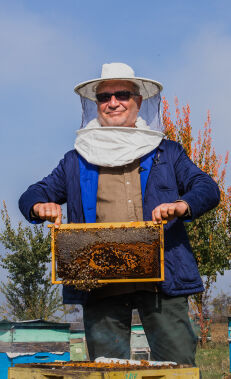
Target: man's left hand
(168, 211)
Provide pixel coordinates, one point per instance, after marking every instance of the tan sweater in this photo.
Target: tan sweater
(119, 194)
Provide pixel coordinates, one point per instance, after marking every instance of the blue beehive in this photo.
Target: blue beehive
(32, 341)
(229, 339)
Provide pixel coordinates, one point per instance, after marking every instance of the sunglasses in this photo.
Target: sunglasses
(104, 97)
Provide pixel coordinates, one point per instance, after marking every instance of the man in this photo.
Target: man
(123, 170)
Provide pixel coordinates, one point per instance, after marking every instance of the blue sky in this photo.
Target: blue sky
(47, 47)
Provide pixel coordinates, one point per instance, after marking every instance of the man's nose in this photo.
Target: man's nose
(113, 102)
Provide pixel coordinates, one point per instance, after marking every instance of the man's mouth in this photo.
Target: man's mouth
(115, 113)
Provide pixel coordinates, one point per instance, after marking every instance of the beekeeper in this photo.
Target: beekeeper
(122, 169)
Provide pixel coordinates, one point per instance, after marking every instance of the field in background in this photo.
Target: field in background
(213, 360)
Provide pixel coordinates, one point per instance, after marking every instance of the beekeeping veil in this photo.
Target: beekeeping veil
(111, 146)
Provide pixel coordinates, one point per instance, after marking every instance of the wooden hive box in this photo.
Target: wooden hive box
(99, 371)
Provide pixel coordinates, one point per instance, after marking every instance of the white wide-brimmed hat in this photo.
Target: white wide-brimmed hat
(118, 71)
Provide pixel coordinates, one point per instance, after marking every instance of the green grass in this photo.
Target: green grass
(213, 360)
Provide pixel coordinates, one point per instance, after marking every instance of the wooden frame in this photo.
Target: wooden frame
(102, 226)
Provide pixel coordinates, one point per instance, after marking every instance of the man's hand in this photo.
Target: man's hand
(168, 211)
(48, 211)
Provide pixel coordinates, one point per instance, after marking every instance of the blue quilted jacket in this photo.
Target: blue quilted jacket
(167, 174)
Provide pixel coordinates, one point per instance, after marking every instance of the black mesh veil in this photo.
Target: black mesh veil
(89, 111)
(149, 111)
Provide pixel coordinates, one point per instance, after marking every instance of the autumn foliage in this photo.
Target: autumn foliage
(210, 235)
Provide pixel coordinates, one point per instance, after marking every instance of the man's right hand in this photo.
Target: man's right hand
(48, 211)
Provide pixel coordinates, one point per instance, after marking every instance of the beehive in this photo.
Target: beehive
(101, 371)
(107, 253)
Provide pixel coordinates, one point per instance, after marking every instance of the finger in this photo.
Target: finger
(57, 222)
(153, 216)
(36, 208)
(58, 219)
(171, 212)
(54, 211)
(41, 211)
(168, 211)
(46, 211)
(156, 215)
(50, 211)
(164, 211)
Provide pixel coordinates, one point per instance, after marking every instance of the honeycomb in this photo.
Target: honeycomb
(88, 255)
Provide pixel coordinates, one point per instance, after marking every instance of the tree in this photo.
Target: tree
(210, 234)
(29, 293)
(221, 307)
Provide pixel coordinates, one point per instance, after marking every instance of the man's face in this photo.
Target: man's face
(118, 112)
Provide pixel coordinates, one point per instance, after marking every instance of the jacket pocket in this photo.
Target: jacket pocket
(185, 265)
(164, 187)
(162, 174)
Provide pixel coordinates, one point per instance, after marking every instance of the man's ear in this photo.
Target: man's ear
(139, 101)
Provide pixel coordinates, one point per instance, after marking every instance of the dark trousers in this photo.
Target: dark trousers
(165, 321)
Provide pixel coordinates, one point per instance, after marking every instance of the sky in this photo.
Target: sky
(47, 47)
